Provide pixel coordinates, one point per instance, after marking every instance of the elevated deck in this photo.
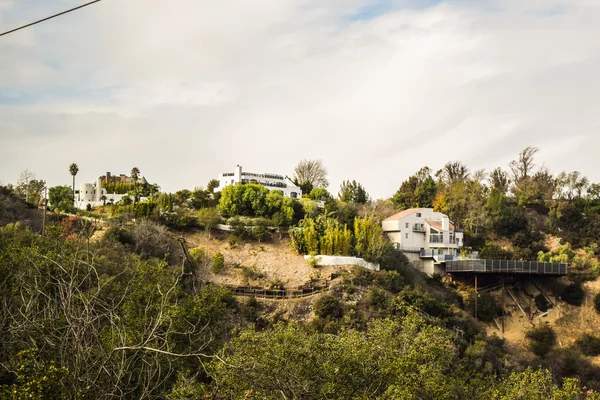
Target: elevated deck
(508, 267)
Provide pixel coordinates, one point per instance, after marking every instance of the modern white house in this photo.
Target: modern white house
(270, 181)
(427, 238)
(95, 195)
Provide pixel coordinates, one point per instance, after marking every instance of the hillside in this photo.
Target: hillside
(264, 263)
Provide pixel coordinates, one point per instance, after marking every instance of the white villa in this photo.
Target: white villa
(426, 237)
(94, 195)
(270, 181)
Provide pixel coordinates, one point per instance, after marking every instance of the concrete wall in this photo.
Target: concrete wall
(227, 179)
(345, 260)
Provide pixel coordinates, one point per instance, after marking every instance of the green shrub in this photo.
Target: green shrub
(218, 262)
(589, 345)
(313, 261)
(573, 294)
(120, 235)
(541, 339)
(251, 272)
(390, 280)
(327, 306)
(198, 254)
(378, 298)
(597, 302)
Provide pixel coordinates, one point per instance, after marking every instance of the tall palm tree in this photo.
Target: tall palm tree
(135, 174)
(73, 169)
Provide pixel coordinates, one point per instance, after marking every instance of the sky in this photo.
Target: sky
(185, 90)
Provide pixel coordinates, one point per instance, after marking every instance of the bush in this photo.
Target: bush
(589, 345)
(198, 254)
(390, 280)
(573, 294)
(119, 235)
(597, 302)
(151, 239)
(378, 298)
(541, 339)
(251, 273)
(327, 306)
(218, 262)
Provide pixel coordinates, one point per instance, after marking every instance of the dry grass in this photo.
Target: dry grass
(274, 260)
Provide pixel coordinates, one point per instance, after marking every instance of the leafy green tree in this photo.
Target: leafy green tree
(182, 196)
(212, 185)
(209, 218)
(244, 200)
(353, 192)
(534, 385)
(418, 190)
(61, 199)
(391, 359)
(73, 170)
(370, 241)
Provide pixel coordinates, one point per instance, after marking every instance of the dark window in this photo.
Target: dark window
(418, 215)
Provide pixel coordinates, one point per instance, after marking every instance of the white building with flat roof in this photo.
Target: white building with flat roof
(95, 195)
(270, 181)
(426, 237)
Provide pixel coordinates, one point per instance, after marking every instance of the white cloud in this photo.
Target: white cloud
(185, 90)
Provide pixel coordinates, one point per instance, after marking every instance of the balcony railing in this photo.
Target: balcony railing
(419, 228)
(439, 238)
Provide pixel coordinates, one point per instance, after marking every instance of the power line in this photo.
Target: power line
(47, 18)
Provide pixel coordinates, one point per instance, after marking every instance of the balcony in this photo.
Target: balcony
(419, 228)
(437, 240)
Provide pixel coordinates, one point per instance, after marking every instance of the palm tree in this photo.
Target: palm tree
(73, 169)
(135, 174)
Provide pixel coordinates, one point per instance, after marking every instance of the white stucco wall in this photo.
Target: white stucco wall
(344, 260)
(237, 176)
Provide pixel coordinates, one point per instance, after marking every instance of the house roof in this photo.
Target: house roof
(438, 225)
(402, 214)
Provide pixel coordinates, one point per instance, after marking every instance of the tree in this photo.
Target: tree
(73, 170)
(209, 218)
(453, 172)
(135, 174)
(60, 199)
(310, 174)
(29, 188)
(418, 190)
(212, 185)
(523, 166)
(353, 192)
(499, 180)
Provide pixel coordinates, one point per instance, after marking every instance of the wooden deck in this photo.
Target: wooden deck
(508, 267)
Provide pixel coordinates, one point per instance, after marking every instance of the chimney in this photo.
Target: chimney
(445, 223)
(108, 178)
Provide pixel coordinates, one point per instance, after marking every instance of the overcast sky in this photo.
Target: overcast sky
(186, 89)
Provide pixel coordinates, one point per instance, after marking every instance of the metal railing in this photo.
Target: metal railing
(507, 267)
(419, 228)
(439, 239)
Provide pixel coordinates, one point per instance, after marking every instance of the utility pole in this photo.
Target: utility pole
(45, 208)
(476, 296)
(502, 306)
